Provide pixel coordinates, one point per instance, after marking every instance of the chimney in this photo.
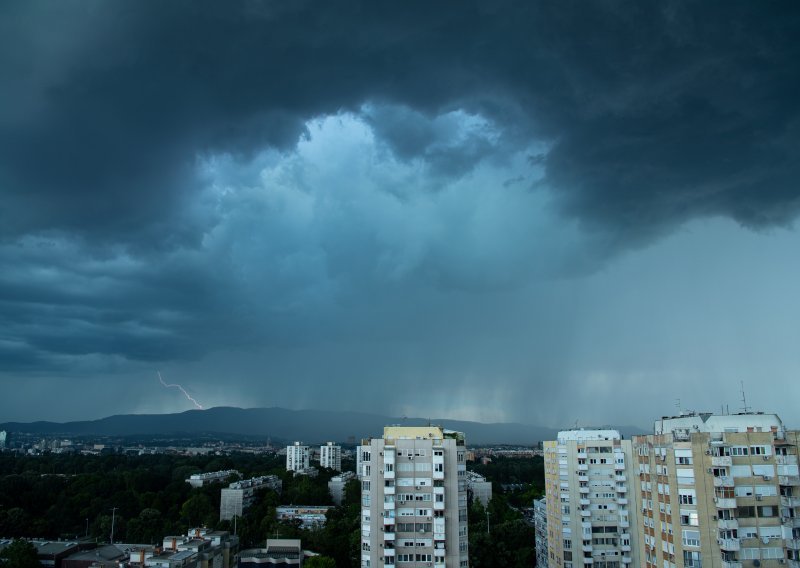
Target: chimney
(174, 543)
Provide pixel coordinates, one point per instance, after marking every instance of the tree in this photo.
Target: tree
(320, 562)
(20, 554)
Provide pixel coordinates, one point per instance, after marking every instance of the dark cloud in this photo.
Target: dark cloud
(656, 112)
(295, 181)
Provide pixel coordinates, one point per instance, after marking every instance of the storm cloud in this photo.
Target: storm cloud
(354, 195)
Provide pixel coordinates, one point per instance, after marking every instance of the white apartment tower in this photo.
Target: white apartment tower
(330, 456)
(413, 498)
(719, 491)
(297, 457)
(591, 514)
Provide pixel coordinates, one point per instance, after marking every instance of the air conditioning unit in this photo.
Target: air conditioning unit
(767, 478)
(708, 452)
(759, 497)
(714, 518)
(709, 470)
(765, 458)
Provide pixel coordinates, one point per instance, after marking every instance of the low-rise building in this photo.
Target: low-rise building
(337, 484)
(200, 479)
(310, 516)
(239, 495)
(478, 488)
(279, 552)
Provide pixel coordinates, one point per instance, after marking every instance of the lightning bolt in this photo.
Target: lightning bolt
(183, 390)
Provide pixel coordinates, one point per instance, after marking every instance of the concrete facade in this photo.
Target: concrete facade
(719, 491)
(413, 498)
(591, 515)
(330, 456)
(240, 495)
(540, 528)
(297, 457)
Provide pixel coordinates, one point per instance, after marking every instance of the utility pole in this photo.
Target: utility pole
(87, 528)
(113, 518)
(487, 521)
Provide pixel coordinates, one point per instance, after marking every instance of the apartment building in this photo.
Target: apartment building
(718, 491)
(330, 456)
(413, 498)
(240, 495)
(591, 514)
(540, 528)
(297, 457)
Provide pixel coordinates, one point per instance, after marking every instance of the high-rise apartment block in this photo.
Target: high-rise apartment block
(719, 491)
(297, 457)
(330, 456)
(590, 509)
(413, 498)
(540, 528)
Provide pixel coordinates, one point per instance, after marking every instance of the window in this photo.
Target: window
(690, 538)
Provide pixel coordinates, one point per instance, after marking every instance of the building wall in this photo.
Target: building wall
(590, 511)
(330, 456)
(297, 457)
(540, 528)
(723, 498)
(414, 498)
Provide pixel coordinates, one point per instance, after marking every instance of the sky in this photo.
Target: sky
(555, 213)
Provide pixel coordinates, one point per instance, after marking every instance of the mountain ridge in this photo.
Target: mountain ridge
(310, 425)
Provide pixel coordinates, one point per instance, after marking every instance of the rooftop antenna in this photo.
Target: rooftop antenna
(678, 405)
(745, 408)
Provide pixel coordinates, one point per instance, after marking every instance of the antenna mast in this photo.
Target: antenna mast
(745, 408)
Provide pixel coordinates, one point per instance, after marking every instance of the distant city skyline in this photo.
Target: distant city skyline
(527, 212)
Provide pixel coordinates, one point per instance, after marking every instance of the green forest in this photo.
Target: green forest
(61, 496)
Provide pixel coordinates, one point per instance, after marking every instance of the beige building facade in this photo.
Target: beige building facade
(718, 491)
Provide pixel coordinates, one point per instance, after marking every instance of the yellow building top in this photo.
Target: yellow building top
(412, 432)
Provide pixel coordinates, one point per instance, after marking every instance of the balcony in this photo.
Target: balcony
(790, 501)
(583, 489)
(388, 551)
(586, 513)
(619, 466)
(388, 474)
(388, 520)
(790, 522)
(729, 544)
(583, 467)
(584, 502)
(388, 490)
(388, 506)
(721, 461)
(723, 481)
(786, 460)
(438, 506)
(622, 500)
(390, 536)
(789, 479)
(731, 564)
(624, 524)
(438, 475)
(586, 547)
(792, 543)
(728, 524)
(626, 560)
(582, 477)
(725, 503)
(793, 563)
(620, 478)
(622, 489)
